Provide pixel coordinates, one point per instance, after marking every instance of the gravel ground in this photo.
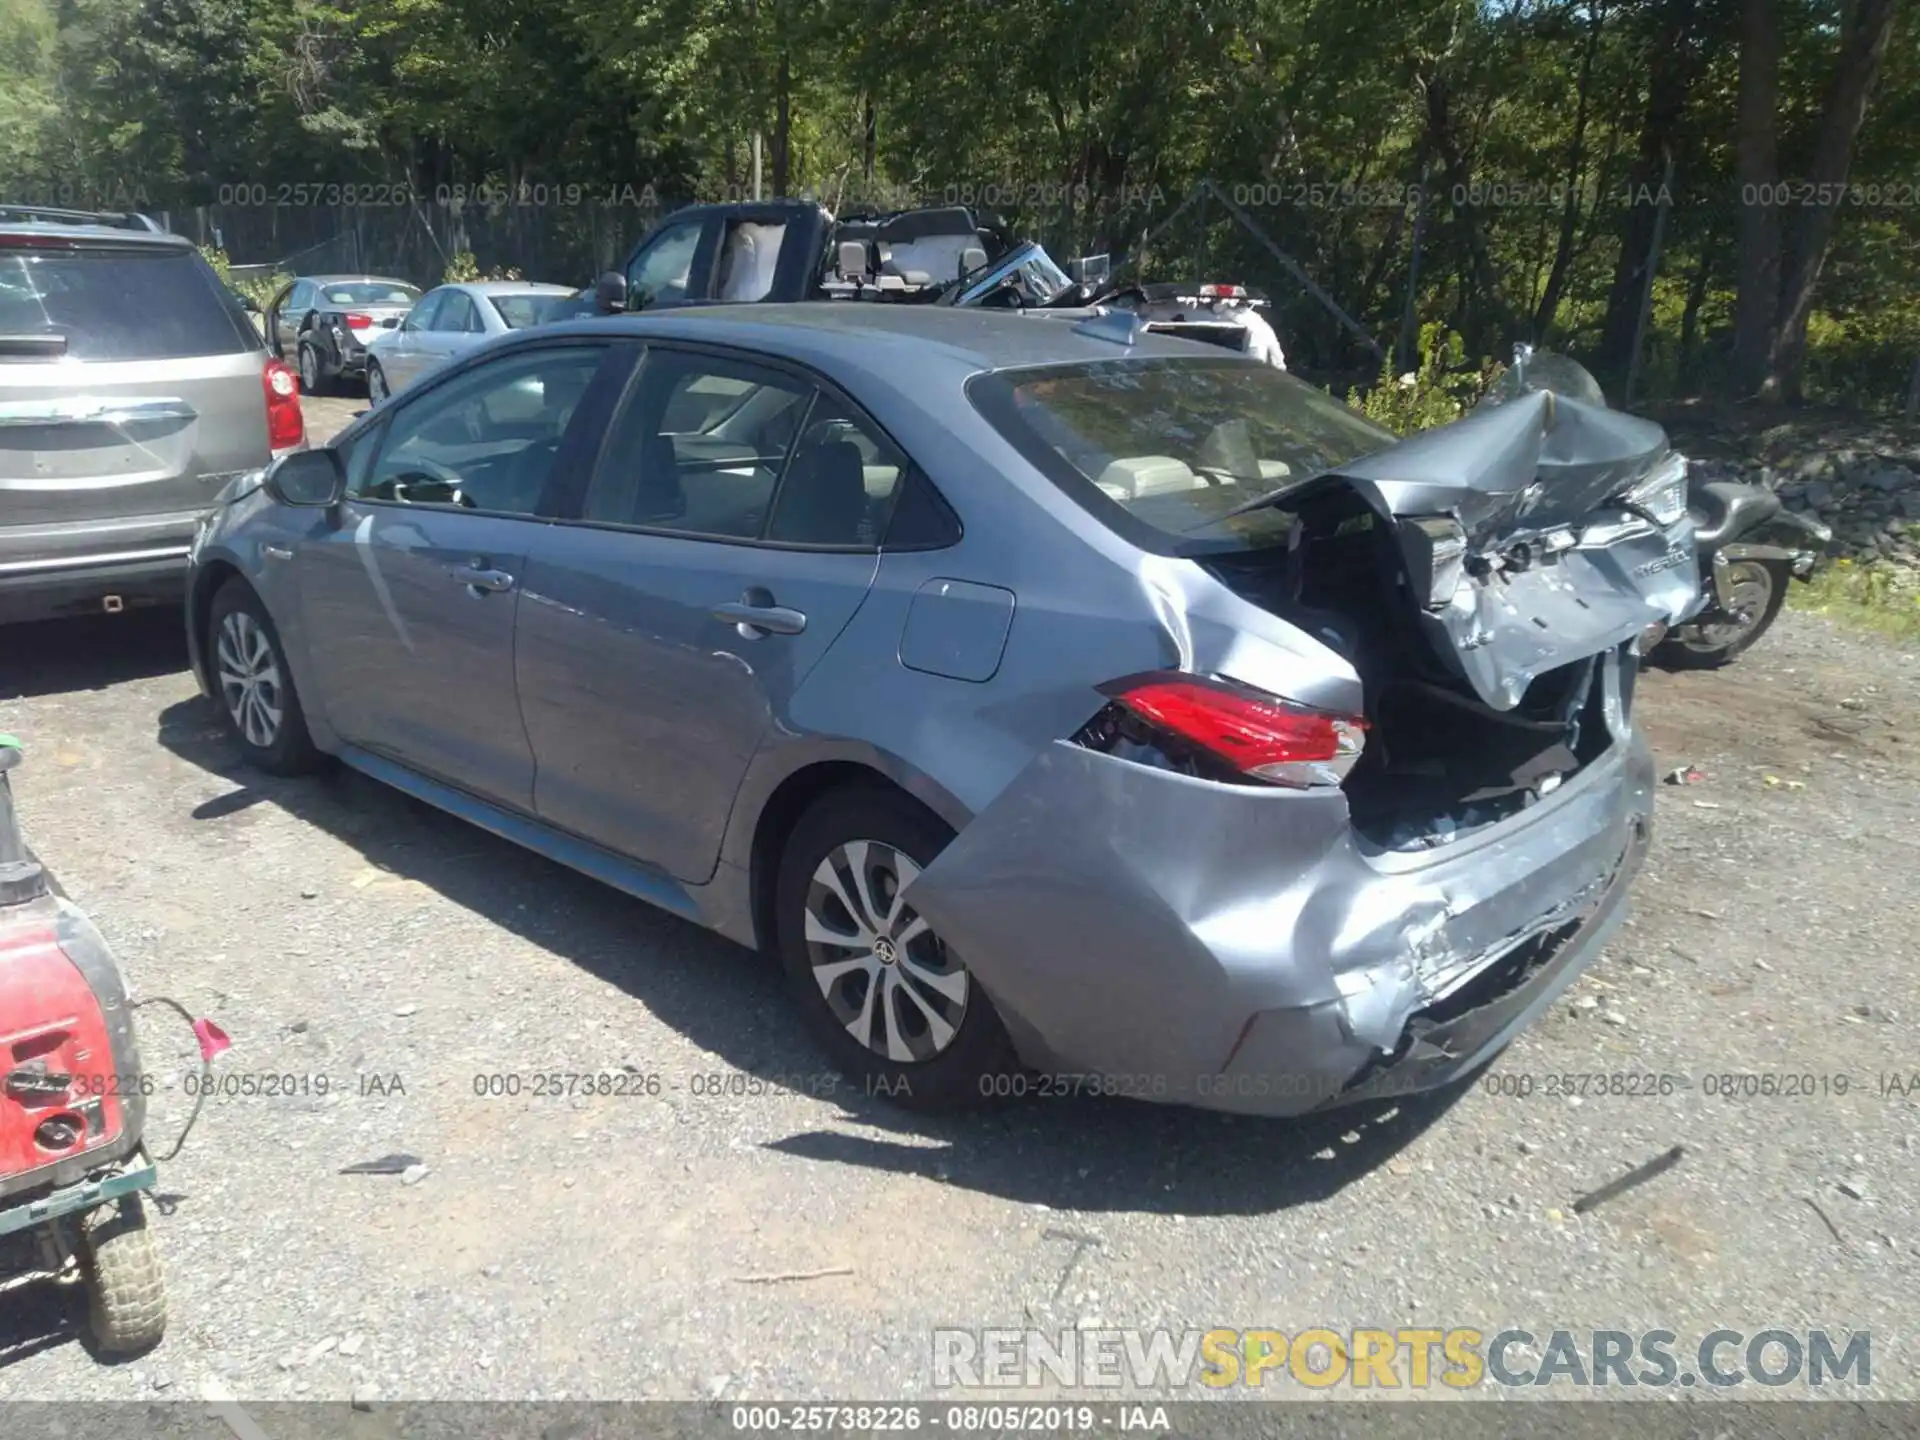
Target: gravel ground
(629, 1247)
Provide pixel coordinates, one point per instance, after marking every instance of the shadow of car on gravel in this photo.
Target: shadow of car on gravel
(91, 652)
(1074, 1153)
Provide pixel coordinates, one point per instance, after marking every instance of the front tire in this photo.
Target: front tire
(1759, 592)
(377, 387)
(126, 1290)
(255, 684)
(895, 1008)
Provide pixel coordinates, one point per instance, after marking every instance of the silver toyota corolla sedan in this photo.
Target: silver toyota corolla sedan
(1048, 696)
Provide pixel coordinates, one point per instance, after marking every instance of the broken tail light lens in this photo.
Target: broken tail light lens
(1255, 734)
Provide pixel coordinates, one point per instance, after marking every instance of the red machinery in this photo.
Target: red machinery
(72, 1104)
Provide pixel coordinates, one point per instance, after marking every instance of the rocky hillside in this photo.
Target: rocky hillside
(1862, 477)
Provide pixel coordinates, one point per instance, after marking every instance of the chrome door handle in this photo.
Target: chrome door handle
(480, 580)
(755, 622)
(276, 552)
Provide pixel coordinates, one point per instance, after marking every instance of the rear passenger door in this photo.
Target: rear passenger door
(728, 533)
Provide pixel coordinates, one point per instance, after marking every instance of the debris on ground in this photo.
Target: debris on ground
(397, 1163)
(1686, 775)
(786, 1275)
(1827, 1220)
(1853, 1189)
(1659, 1165)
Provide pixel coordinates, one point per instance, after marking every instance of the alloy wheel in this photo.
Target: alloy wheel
(250, 681)
(309, 369)
(887, 978)
(377, 390)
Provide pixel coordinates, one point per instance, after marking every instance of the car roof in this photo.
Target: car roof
(355, 280)
(105, 234)
(510, 287)
(891, 338)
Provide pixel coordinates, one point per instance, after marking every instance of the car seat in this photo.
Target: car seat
(824, 500)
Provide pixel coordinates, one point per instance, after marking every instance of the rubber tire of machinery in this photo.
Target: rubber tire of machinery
(126, 1291)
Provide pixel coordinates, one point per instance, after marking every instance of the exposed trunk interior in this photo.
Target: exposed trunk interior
(1438, 762)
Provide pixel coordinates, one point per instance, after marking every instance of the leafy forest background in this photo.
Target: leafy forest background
(1477, 173)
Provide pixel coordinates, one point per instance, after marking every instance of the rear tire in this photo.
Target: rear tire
(255, 685)
(1694, 647)
(896, 1011)
(126, 1290)
(313, 369)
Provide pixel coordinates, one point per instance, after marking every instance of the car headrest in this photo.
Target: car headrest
(659, 497)
(824, 498)
(1137, 475)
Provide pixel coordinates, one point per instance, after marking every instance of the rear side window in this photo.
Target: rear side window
(121, 304)
(523, 312)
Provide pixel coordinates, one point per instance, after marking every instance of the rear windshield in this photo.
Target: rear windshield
(127, 304)
(522, 312)
(1165, 450)
(368, 292)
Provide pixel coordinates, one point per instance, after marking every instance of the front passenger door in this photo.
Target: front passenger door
(410, 597)
(404, 359)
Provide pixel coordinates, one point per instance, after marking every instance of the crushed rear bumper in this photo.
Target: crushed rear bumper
(1240, 948)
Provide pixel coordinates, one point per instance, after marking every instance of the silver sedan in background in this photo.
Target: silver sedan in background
(450, 321)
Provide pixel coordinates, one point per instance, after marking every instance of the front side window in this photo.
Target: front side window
(487, 440)
(1166, 450)
(455, 314)
(660, 272)
(423, 315)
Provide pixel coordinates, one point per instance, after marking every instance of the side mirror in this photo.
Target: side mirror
(312, 479)
(610, 293)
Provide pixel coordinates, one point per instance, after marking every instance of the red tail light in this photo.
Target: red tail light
(1258, 735)
(286, 427)
(1223, 292)
(359, 322)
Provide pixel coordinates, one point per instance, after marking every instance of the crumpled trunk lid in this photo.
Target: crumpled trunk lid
(1554, 570)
